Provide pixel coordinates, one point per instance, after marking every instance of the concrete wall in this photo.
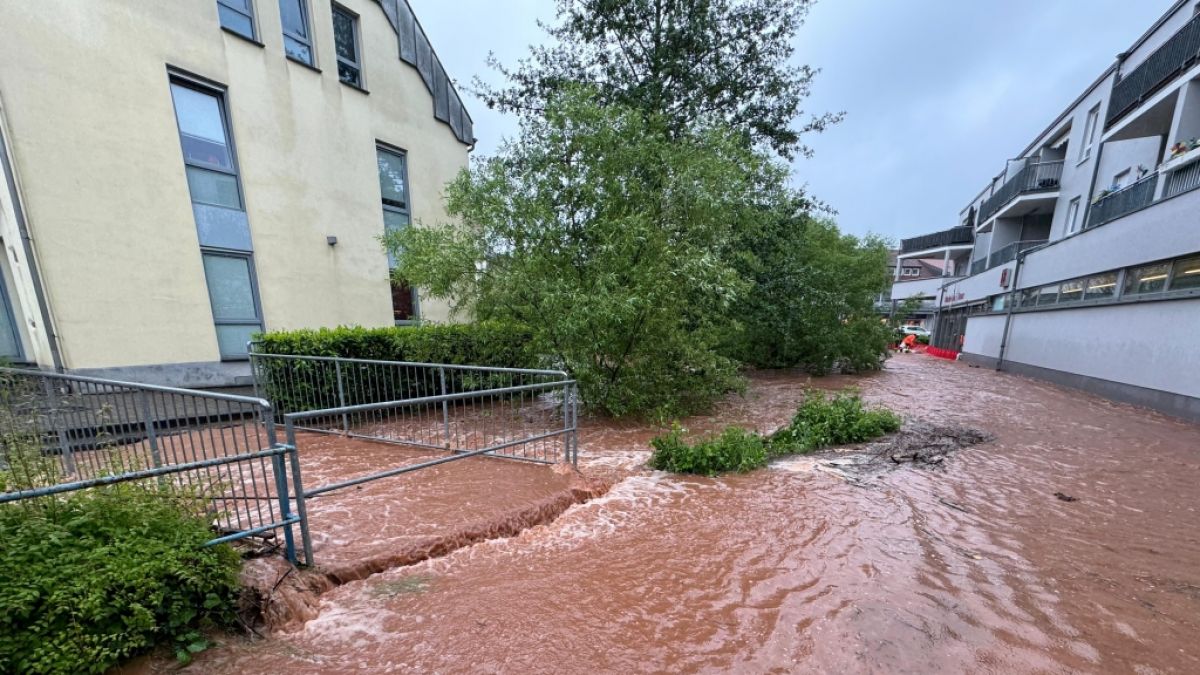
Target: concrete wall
(979, 286)
(984, 335)
(95, 145)
(1165, 230)
(1138, 344)
(1126, 155)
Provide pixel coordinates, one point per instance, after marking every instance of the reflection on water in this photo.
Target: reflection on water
(974, 566)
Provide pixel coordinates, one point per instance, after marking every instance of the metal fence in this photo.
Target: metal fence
(1123, 202)
(1034, 177)
(217, 453)
(1009, 252)
(1166, 63)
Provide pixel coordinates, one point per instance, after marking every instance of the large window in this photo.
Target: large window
(1071, 291)
(1186, 274)
(297, 36)
(1148, 279)
(10, 344)
(237, 16)
(1101, 287)
(397, 215)
(1089, 133)
(211, 167)
(1073, 216)
(346, 42)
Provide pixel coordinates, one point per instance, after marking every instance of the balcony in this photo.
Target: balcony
(1037, 178)
(925, 288)
(955, 236)
(1009, 253)
(1123, 202)
(1159, 69)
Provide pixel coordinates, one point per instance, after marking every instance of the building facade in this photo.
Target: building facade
(1086, 264)
(178, 176)
(924, 265)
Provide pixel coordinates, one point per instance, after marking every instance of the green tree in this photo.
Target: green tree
(812, 298)
(612, 242)
(684, 61)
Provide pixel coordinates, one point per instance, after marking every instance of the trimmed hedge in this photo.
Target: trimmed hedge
(475, 344)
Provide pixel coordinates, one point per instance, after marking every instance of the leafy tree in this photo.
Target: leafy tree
(685, 61)
(612, 242)
(812, 303)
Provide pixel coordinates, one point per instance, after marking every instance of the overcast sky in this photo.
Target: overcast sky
(938, 93)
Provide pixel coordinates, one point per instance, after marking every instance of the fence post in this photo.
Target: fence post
(445, 408)
(566, 413)
(280, 470)
(52, 414)
(575, 425)
(342, 396)
(298, 486)
(148, 421)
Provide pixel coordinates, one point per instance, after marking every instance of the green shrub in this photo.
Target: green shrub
(93, 578)
(476, 344)
(733, 450)
(821, 422)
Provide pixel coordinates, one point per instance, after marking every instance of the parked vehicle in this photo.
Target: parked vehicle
(914, 330)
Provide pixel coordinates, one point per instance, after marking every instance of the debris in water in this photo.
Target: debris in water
(919, 444)
(1065, 497)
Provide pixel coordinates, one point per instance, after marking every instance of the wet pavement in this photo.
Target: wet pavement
(1070, 543)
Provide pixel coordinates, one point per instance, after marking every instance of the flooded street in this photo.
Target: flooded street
(1070, 543)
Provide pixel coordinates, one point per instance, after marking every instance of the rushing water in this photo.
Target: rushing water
(976, 566)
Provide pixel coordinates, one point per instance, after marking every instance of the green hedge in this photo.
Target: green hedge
(734, 449)
(476, 344)
(312, 385)
(96, 577)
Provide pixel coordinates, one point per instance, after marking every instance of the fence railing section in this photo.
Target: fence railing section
(216, 453)
(979, 266)
(1035, 177)
(951, 237)
(514, 413)
(1168, 61)
(1123, 202)
(1182, 180)
(1009, 253)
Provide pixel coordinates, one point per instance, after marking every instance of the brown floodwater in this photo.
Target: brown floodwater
(976, 566)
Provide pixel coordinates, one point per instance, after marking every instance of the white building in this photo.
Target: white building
(1086, 264)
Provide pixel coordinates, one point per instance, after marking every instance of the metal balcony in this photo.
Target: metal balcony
(1009, 253)
(1166, 63)
(955, 236)
(1123, 202)
(1035, 177)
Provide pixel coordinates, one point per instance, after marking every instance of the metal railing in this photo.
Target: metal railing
(1123, 202)
(1165, 64)
(951, 237)
(1009, 253)
(1182, 180)
(979, 266)
(215, 452)
(1035, 177)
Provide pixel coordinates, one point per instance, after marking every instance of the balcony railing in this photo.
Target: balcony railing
(979, 266)
(1035, 177)
(1178, 182)
(1009, 253)
(1165, 64)
(1125, 201)
(953, 236)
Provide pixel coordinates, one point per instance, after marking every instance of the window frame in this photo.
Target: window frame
(7, 312)
(306, 17)
(220, 94)
(1073, 209)
(406, 211)
(356, 36)
(1089, 133)
(253, 36)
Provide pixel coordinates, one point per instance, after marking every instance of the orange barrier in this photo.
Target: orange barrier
(942, 353)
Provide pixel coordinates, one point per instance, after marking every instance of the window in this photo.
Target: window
(1028, 298)
(1121, 180)
(345, 39)
(393, 189)
(10, 344)
(1148, 279)
(1101, 287)
(237, 16)
(1089, 133)
(1073, 216)
(212, 177)
(1186, 274)
(1071, 291)
(1047, 295)
(297, 38)
(999, 302)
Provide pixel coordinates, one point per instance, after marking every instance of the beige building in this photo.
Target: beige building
(180, 175)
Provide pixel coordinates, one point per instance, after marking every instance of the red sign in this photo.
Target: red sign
(1004, 278)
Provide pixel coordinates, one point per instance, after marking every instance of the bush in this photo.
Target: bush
(106, 573)
(735, 450)
(821, 422)
(476, 344)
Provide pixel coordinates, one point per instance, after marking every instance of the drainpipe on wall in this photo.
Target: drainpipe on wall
(10, 173)
(1008, 316)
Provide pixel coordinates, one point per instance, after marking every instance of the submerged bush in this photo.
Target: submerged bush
(103, 574)
(734, 450)
(821, 422)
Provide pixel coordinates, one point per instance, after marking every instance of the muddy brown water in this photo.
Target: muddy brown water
(975, 566)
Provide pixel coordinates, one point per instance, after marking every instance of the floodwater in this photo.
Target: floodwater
(976, 566)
